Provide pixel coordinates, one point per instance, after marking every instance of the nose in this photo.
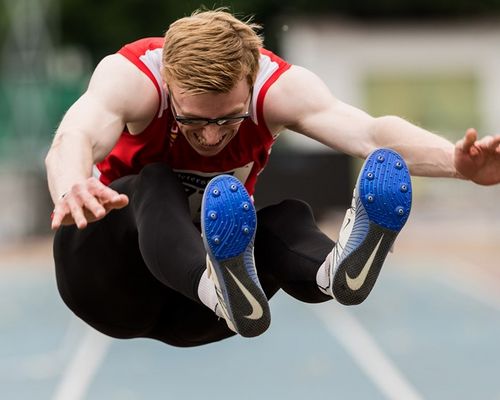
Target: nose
(212, 134)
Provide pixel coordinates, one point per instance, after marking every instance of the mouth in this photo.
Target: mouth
(202, 142)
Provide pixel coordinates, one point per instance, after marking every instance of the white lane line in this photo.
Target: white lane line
(47, 365)
(81, 369)
(366, 353)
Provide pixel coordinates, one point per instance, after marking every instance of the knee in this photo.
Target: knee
(159, 176)
(157, 183)
(156, 172)
(287, 212)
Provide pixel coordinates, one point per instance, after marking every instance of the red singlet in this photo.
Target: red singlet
(245, 156)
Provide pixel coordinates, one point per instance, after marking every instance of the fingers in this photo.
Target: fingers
(60, 211)
(115, 199)
(468, 142)
(119, 201)
(92, 205)
(112, 200)
(106, 195)
(76, 210)
(489, 144)
(495, 145)
(86, 202)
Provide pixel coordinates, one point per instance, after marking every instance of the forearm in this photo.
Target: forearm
(68, 161)
(425, 153)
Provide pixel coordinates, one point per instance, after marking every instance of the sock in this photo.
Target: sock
(206, 293)
(322, 276)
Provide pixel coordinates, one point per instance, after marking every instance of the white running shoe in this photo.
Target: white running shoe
(380, 207)
(228, 224)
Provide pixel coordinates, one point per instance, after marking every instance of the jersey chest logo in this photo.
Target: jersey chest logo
(195, 182)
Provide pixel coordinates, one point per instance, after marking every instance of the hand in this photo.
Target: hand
(478, 160)
(86, 202)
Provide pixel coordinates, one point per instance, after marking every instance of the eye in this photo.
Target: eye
(231, 121)
(192, 122)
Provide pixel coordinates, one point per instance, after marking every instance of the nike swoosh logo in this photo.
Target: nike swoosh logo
(357, 282)
(257, 311)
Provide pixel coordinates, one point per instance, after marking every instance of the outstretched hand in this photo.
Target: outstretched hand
(478, 160)
(86, 202)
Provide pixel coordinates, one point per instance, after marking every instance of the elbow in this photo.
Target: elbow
(53, 150)
(48, 157)
(385, 123)
(382, 129)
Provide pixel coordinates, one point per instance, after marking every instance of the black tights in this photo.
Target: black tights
(135, 273)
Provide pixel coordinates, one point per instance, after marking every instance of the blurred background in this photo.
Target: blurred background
(431, 324)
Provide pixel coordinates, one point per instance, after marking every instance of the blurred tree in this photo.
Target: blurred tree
(3, 23)
(401, 8)
(103, 26)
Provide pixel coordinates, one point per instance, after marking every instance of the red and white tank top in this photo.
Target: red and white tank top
(245, 156)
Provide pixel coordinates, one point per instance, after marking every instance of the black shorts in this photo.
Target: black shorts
(135, 273)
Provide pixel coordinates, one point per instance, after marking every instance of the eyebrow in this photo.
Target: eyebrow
(235, 111)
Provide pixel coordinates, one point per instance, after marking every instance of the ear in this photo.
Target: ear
(164, 80)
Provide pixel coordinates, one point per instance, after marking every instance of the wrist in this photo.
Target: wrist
(456, 172)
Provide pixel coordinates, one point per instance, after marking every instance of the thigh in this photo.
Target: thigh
(170, 243)
(115, 293)
(102, 277)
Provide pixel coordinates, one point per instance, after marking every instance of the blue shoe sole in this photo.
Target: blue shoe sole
(385, 189)
(382, 209)
(228, 222)
(228, 217)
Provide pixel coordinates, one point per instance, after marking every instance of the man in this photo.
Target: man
(171, 134)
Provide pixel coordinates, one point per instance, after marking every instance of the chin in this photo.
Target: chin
(208, 152)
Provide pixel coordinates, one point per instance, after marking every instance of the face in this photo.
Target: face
(209, 121)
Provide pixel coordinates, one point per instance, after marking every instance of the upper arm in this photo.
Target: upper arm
(99, 116)
(300, 101)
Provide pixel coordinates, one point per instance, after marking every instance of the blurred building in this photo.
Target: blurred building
(441, 75)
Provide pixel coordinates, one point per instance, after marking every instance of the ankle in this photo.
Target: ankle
(206, 292)
(323, 275)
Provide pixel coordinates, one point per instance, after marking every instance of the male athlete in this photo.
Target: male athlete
(152, 172)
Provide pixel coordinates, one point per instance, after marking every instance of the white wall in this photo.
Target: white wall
(343, 53)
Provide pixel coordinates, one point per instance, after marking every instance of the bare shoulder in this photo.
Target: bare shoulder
(298, 91)
(122, 88)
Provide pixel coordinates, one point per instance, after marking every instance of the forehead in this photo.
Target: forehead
(212, 103)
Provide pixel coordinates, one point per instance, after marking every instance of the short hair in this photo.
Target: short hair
(211, 51)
